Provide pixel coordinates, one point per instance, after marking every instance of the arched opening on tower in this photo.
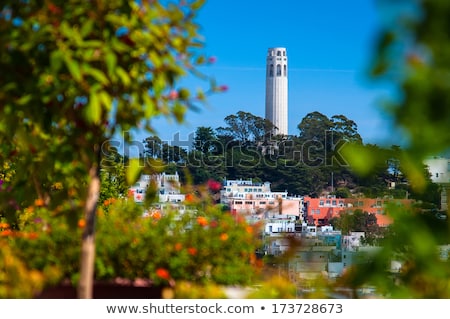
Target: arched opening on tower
(284, 70)
(271, 70)
(278, 70)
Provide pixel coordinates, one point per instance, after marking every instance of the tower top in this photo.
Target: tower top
(276, 51)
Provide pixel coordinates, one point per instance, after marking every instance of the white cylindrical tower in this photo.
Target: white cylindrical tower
(277, 89)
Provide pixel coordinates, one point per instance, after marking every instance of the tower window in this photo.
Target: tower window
(278, 70)
(284, 70)
(278, 53)
(271, 70)
(284, 53)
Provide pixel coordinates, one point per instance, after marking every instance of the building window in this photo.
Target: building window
(271, 70)
(284, 70)
(248, 203)
(278, 70)
(278, 53)
(284, 53)
(321, 203)
(238, 202)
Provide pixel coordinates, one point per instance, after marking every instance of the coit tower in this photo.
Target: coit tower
(277, 89)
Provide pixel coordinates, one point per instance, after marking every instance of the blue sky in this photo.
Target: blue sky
(329, 43)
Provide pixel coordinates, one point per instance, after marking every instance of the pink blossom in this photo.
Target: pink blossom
(213, 185)
(223, 88)
(173, 95)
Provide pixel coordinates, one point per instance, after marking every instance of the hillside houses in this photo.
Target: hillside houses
(319, 211)
(289, 222)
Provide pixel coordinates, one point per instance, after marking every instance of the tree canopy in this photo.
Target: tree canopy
(74, 73)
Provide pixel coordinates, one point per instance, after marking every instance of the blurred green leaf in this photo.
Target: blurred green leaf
(133, 171)
(74, 68)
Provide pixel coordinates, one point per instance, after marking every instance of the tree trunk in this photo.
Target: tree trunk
(86, 282)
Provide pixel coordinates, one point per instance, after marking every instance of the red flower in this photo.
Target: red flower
(192, 251)
(163, 273)
(54, 9)
(213, 224)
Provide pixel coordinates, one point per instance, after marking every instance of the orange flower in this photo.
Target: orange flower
(202, 221)
(189, 198)
(259, 263)
(223, 236)
(39, 202)
(192, 251)
(249, 229)
(6, 232)
(72, 192)
(163, 273)
(156, 215)
(252, 259)
(178, 246)
(81, 223)
(4, 225)
(240, 219)
(33, 235)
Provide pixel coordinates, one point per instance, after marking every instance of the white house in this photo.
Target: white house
(167, 187)
(439, 168)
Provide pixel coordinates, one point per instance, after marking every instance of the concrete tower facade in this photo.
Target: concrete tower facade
(277, 89)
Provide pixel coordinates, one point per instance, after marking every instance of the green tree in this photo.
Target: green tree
(113, 183)
(205, 140)
(314, 126)
(345, 129)
(153, 147)
(74, 74)
(245, 127)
